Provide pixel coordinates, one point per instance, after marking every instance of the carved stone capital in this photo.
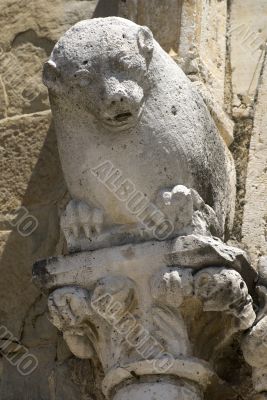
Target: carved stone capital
(148, 309)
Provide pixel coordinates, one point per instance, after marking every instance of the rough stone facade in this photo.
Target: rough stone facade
(221, 46)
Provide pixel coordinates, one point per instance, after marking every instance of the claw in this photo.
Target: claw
(167, 198)
(80, 220)
(177, 205)
(98, 228)
(84, 212)
(97, 220)
(87, 231)
(75, 230)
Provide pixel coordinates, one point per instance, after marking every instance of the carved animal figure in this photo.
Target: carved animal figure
(122, 107)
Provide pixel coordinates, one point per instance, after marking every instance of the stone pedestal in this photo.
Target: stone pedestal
(151, 311)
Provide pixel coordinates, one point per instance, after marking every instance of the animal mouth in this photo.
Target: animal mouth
(122, 117)
(123, 120)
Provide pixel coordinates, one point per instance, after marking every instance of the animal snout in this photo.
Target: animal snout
(118, 106)
(117, 99)
(120, 103)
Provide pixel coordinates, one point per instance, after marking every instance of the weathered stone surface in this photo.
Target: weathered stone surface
(187, 251)
(203, 28)
(112, 119)
(17, 254)
(202, 45)
(31, 30)
(20, 71)
(53, 379)
(29, 162)
(27, 44)
(3, 100)
(224, 290)
(164, 21)
(55, 17)
(254, 230)
(149, 307)
(16, 275)
(202, 56)
(223, 122)
(84, 227)
(248, 34)
(31, 178)
(254, 348)
(240, 151)
(157, 391)
(123, 306)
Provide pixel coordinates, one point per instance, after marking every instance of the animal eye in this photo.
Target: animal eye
(132, 64)
(126, 62)
(82, 77)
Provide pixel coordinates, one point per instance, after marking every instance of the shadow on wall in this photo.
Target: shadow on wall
(107, 8)
(45, 189)
(22, 307)
(30, 149)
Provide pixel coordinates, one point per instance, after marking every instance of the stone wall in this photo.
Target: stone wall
(226, 53)
(248, 33)
(31, 177)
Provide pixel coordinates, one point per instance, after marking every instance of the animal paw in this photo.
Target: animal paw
(80, 220)
(185, 209)
(177, 205)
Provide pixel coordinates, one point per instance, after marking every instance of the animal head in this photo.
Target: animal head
(102, 64)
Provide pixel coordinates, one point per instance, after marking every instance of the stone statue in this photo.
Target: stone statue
(126, 115)
(148, 286)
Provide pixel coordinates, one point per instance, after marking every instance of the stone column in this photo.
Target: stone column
(254, 228)
(157, 391)
(202, 55)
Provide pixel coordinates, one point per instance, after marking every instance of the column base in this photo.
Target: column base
(159, 389)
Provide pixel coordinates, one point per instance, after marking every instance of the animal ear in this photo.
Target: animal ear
(145, 41)
(50, 75)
